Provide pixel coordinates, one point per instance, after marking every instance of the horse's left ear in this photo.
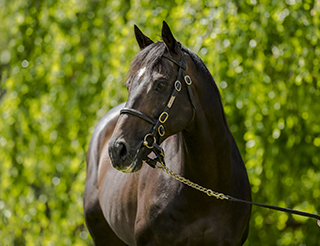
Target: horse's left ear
(168, 39)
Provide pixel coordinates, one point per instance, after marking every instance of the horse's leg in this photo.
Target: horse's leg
(98, 227)
(245, 235)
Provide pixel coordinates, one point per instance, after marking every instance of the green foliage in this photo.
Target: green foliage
(63, 64)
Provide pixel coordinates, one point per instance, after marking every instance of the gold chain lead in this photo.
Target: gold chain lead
(183, 180)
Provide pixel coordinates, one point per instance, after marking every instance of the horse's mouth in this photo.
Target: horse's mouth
(134, 166)
(137, 161)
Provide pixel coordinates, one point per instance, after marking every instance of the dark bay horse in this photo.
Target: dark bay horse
(126, 201)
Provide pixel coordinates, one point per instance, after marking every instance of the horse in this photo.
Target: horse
(173, 116)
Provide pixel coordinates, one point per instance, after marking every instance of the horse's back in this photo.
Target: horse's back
(96, 223)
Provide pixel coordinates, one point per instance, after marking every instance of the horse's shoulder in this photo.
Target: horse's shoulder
(99, 138)
(103, 130)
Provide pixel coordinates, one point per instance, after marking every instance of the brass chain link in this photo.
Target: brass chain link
(183, 180)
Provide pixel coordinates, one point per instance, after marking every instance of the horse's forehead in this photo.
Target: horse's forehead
(141, 72)
(153, 72)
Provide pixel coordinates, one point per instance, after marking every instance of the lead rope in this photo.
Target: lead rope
(222, 196)
(181, 179)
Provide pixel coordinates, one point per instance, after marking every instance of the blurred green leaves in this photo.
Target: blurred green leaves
(63, 65)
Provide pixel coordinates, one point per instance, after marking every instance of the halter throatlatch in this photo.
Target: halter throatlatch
(158, 130)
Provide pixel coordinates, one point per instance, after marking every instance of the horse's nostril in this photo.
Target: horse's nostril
(118, 152)
(122, 151)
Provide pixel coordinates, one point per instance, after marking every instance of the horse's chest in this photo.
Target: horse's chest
(179, 226)
(168, 230)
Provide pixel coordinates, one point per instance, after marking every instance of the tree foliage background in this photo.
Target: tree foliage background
(63, 64)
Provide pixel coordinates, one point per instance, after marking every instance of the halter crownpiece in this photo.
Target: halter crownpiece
(150, 139)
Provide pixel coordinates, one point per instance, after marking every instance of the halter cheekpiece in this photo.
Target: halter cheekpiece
(150, 139)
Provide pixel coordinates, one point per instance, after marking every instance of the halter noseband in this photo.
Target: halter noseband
(150, 140)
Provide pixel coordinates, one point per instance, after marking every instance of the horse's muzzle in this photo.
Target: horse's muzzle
(124, 159)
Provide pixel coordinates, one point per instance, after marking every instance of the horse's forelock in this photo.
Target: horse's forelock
(148, 57)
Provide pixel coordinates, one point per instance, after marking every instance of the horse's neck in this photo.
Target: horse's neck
(208, 145)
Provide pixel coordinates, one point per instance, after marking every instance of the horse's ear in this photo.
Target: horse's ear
(168, 39)
(142, 39)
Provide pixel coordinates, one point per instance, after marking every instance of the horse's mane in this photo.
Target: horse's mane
(207, 75)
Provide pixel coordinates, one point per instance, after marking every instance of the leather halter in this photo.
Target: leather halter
(150, 139)
(158, 129)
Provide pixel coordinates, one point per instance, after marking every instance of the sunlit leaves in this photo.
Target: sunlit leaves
(63, 65)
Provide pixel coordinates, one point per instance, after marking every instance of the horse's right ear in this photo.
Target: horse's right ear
(142, 39)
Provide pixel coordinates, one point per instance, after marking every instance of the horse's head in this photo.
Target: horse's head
(153, 90)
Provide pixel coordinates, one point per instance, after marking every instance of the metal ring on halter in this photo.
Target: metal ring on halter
(146, 143)
(163, 119)
(161, 130)
(177, 85)
(188, 80)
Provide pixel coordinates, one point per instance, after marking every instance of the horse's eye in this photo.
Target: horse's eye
(161, 85)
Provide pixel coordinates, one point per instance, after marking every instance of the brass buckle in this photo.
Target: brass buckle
(188, 80)
(161, 130)
(146, 143)
(163, 117)
(177, 85)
